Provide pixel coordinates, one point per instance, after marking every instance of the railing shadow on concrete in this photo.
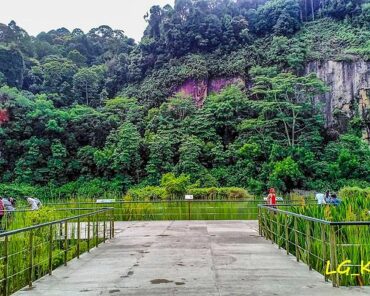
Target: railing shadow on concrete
(27, 254)
(338, 250)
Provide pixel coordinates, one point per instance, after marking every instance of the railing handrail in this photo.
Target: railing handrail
(333, 223)
(159, 201)
(154, 201)
(57, 210)
(25, 229)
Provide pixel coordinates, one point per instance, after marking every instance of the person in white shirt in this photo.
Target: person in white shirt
(320, 197)
(34, 203)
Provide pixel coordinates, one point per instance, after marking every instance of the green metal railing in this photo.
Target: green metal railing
(21, 218)
(176, 209)
(29, 253)
(338, 250)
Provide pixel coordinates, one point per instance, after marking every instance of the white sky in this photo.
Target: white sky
(36, 16)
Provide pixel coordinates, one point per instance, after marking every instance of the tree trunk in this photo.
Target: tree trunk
(86, 95)
(312, 10)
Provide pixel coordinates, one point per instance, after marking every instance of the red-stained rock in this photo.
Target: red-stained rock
(199, 89)
(4, 116)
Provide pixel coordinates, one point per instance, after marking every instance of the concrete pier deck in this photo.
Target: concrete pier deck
(187, 258)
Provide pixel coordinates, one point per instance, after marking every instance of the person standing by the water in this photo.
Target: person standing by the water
(271, 198)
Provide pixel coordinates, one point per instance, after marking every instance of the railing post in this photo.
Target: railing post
(333, 255)
(97, 231)
(104, 226)
(88, 233)
(286, 235)
(278, 231)
(78, 237)
(296, 241)
(112, 216)
(110, 225)
(188, 209)
(5, 283)
(308, 242)
(113, 221)
(271, 226)
(50, 249)
(265, 225)
(30, 263)
(65, 243)
(324, 256)
(259, 222)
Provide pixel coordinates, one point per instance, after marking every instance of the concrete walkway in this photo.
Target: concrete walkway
(187, 258)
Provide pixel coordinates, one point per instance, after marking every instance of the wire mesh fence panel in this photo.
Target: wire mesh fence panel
(27, 254)
(338, 250)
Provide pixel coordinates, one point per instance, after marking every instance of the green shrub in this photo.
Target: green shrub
(145, 193)
(220, 193)
(18, 190)
(354, 193)
(212, 193)
(175, 186)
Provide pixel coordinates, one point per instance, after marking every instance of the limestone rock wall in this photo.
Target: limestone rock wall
(348, 83)
(349, 91)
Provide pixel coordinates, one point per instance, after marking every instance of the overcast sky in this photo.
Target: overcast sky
(36, 16)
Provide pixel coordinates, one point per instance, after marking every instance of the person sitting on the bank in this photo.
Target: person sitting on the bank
(9, 204)
(34, 203)
(320, 197)
(334, 200)
(327, 196)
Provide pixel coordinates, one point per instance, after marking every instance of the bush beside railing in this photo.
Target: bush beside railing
(354, 193)
(213, 193)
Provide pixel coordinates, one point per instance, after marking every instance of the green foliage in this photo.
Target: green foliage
(281, 17)
(11, 66)
(97, 108)
(87, 85)
(286, 175)
(327, 39)
(354, 193)
(175, 187)
(162, 193)
(219, 193)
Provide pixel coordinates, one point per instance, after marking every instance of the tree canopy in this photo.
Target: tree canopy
(98, 107)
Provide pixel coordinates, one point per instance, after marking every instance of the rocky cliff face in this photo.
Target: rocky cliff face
(349, 91)
(199, 89)
(349, 84)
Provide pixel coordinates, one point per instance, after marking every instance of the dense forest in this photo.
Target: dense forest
(97, 108)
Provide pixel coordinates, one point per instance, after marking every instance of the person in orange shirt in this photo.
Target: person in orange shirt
(271, 198)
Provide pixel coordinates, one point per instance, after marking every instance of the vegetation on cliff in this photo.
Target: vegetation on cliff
(96, 108)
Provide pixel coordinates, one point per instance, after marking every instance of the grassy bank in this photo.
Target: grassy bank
(306, 232)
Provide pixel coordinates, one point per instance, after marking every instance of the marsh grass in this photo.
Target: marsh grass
(310, 241)
(173, 210)
(28, 254)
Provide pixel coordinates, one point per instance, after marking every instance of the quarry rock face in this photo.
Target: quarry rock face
(349, 84)
(4, 116)
(200, 89)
